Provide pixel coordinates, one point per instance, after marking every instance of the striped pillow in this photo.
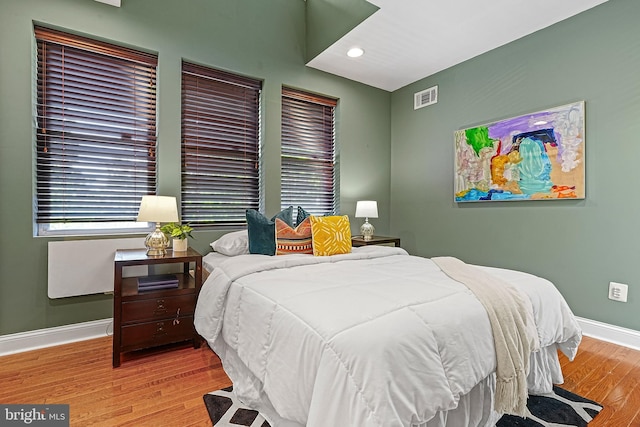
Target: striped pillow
(291, 240)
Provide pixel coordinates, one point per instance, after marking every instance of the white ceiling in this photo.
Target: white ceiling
(115, 3)
(407, 40)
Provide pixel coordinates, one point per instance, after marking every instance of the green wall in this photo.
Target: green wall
(263, 39)
(329, 20)
(579, 245)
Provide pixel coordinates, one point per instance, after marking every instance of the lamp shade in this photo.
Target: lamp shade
(158, 209)
(367, 209)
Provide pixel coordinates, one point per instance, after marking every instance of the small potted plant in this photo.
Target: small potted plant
(179, 234)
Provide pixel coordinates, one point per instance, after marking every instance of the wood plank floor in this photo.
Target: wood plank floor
(160, 388)
(165, 388)
(610, 375)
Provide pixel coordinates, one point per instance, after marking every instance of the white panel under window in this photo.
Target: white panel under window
(85, 267)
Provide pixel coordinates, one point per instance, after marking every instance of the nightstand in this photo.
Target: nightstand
(144, 319)
(375, 240)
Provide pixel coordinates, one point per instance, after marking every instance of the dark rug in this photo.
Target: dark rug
(561, 409)
(225, 410)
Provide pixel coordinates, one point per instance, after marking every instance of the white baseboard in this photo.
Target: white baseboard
(31, 340)
(610, 333)
(40, 338)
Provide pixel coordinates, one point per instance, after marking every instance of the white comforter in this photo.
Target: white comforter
(372, 338)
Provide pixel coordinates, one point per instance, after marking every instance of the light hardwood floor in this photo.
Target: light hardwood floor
(165, 388)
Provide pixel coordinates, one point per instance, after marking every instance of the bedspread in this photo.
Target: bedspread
(372, 338)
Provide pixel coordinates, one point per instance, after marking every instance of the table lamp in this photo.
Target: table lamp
(157, 209)
(367, 209)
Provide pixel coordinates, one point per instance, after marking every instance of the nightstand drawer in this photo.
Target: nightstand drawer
(151, 334)
(158, 308)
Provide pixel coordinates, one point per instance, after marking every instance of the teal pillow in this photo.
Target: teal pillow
(302, 215)
(262, 231)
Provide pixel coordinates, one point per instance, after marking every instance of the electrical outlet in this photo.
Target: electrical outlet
(618, 291)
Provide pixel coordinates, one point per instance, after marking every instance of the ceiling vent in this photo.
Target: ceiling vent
(425, 97)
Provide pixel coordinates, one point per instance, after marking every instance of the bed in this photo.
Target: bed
(374, 337)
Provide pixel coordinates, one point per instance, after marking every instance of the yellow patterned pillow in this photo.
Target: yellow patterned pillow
(331, 235)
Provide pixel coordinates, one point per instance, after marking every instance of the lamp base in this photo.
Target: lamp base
(156, 242)
(367, 230)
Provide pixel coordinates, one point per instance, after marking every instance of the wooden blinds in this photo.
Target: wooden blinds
(220, 146)
(96, 129)
(308, 176)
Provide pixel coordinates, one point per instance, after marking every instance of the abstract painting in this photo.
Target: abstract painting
(537, 156)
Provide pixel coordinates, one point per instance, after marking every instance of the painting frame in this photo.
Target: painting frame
(534, 156)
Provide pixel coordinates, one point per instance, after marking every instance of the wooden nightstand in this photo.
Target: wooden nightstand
(375, 240)
(156, 317)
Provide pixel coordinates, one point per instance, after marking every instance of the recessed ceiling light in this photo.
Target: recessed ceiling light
(355, 52)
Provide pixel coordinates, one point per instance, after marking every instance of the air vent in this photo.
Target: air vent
(425, 97)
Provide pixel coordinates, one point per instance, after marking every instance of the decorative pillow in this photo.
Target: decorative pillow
(302, 215)
(262, 231)
(331, 235)
(232, 244)
(291, 240)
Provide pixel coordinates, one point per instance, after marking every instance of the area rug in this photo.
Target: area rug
(562, 409)
(225, 410)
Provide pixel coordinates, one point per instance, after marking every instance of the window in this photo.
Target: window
(220, 146)
(96, 133)
(308, 148)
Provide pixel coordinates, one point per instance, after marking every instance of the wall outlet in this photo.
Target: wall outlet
(618, 291)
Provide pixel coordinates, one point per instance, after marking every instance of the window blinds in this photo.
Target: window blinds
(96, 129)
(220, 146)
(308, 177)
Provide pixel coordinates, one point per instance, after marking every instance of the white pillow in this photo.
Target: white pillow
(232, 244)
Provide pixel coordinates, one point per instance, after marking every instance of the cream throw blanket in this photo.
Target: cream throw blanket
(514, 331)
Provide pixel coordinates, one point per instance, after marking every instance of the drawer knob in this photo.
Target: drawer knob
(160, 307)
(159, 330)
